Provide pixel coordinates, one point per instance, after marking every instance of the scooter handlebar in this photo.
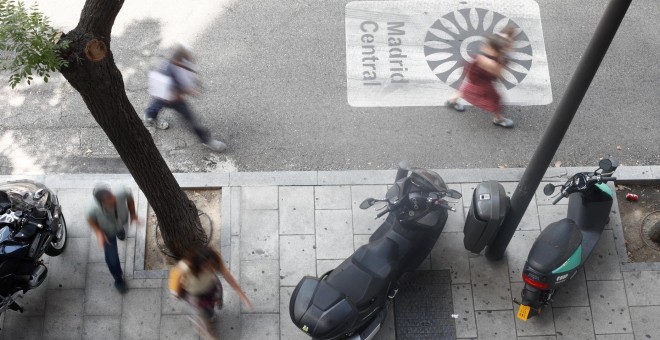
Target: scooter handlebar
(558, 198)
(607, 179)
(380, 214)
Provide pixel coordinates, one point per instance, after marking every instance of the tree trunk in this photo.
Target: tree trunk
(93, 73)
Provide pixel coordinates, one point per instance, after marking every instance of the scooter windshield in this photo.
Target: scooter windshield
(429, 180)
(21, 194)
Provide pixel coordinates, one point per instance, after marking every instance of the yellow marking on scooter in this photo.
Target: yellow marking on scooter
(523, 312)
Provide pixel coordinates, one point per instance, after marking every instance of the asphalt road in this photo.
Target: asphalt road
(275, 91)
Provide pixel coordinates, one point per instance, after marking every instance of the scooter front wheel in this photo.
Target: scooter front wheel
(56, 247)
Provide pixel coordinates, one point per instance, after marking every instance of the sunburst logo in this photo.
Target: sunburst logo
(453, 40)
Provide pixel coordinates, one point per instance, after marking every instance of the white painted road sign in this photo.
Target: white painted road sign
(413, 53)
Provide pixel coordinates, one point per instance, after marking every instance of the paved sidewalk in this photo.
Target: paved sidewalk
(278, 227)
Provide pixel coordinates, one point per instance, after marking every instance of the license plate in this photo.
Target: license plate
(523, 312)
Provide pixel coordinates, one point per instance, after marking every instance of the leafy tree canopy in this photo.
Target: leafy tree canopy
(29, 46)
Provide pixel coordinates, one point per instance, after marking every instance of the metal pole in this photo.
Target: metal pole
(554, 133)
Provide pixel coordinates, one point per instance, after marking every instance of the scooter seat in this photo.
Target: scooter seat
(554, 246)
(367, 272)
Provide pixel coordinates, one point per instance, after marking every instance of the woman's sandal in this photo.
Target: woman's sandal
(504, 122)
(455, 105)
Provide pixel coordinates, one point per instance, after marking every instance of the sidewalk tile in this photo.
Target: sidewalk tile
(609, 307)
(172, 305)
(543, 324)
(455, 219)
(449, 253)
(334, 234)
(229, 323)
(139, 250)
(360, 240)
(490, 284)
(259, 198)
(101, 297)
(530, 219)
(64, 319)
(18, 326)
(140, 317)
(88, 181)
(639, 286)
(541, 337)
(364, 221)
(655, 171)
(273, 178)
(496, 325)
(96, 254)
(573, 323)
(324, 266)
(356, 177)
(260, 281)
(501, 174)
(551, 213)
(467, 189)
(633, 173)
(573, 294)
(202, 180)
(34, 301)
(288, 329)
(129, 262)
(460, 175)
(260, 326)
(68, 269)
(615, 336)
(235, 207)
(332, 197)
(142, 206)
(517, 252)
(297, 258)
(466, 325)
(542, 199)
(102, 328)
(603, 263)
(259, 235)
(144, 283)
(75, 203)
(177, 327)
(296, 210)
(645, 322)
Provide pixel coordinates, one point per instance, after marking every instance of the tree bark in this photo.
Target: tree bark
(93, 73)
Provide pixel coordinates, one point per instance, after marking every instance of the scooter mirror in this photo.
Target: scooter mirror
(548, 189)
(606, 165)
(367, 203)
(451, 193)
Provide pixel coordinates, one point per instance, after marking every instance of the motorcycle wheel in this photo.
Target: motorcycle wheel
(57, 247)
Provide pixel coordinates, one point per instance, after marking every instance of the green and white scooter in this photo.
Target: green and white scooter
(563, 246)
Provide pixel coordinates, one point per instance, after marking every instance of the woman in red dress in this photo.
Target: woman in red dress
(478, 88)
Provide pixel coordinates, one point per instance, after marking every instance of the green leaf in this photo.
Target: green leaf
(29, 41)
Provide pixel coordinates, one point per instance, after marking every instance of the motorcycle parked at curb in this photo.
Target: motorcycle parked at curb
(352, 300)
(564, 246)
(31, 224)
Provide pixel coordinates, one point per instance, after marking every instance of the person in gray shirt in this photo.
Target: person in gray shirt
(108, 218)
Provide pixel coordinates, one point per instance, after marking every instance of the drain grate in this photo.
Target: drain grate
(423, 306)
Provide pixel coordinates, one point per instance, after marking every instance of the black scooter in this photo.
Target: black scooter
(352, 301)
(31, 224)
(563, 246)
